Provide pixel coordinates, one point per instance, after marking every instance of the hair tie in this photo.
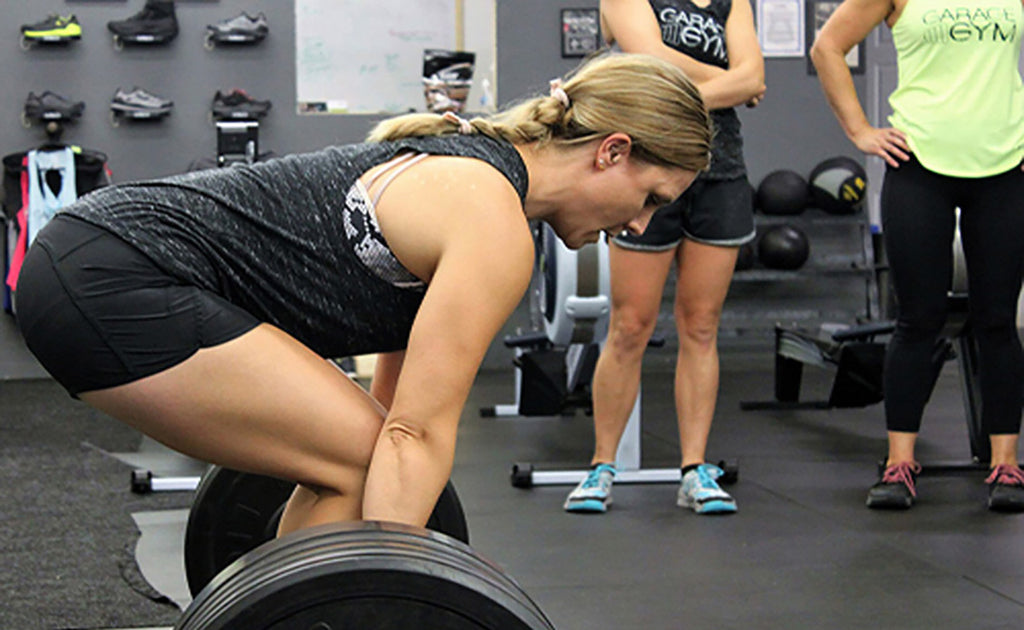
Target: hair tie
(558, 92)
(465, 128)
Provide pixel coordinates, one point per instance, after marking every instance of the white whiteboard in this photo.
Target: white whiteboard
(366, 56)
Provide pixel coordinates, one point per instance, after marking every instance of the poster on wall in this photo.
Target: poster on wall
(368, 56)
(818, 12)
(780, 27)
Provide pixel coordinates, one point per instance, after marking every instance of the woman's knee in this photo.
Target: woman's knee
(921, 325)
(697, 326)
(629, 330)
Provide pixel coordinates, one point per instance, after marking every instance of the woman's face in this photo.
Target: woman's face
(620, 197)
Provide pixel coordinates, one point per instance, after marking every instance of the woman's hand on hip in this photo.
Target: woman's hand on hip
(885, 142)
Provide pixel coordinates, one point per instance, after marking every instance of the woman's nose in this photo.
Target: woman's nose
(639, 224)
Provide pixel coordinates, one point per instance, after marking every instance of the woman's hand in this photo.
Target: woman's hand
(757, 98)
(885, 142)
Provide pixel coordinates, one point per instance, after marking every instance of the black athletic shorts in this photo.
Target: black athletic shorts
(96, 312)
(715, 212)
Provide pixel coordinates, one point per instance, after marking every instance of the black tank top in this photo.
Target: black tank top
(271, 238)
(699, 32)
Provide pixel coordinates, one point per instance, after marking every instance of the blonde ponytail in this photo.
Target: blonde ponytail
(649, 99)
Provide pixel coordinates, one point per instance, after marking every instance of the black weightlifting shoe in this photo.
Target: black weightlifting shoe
(156, 23)
(1006, 489)
(51, 106)
(238, 105)
(895, 490)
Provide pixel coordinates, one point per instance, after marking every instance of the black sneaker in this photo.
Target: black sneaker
(237, 105)
(1006, 489)
(895, 490)
(53, 28)
(50, 106)
(139, 103)
(155, 23)
(242, 28)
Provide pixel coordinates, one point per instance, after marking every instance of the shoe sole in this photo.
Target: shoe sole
(714, 506)
(239, 114)
(1006, 508)
(50, 37)
(889, 505)
(588, 506)
(51, 114)
(134, 109)
(144, 38)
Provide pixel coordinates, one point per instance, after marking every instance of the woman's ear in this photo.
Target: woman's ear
(613, 149)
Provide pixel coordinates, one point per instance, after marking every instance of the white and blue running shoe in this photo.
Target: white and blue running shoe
(700, 492)
(594, 493)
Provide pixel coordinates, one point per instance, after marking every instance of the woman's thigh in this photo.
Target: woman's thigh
(185, 366)
(918, 222)
(262, 403)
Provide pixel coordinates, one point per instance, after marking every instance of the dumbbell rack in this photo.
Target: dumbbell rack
(843, 252)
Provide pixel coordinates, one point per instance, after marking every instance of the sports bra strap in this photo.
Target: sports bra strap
(394, 168)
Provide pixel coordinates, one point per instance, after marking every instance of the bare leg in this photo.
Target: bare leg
(1004, 449)
(637, 280)
(705, 272)
(266, 404)
(901, 447)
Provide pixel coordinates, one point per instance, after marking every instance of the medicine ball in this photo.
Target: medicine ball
(783, 247)
(838, 185)
(782, 192)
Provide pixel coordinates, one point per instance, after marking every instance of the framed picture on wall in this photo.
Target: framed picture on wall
(581, 32)
(818, 12)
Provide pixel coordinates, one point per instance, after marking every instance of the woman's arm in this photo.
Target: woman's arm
(847, 27)
(633, 26)
(458, 224)
(385, 376)
(743, 83)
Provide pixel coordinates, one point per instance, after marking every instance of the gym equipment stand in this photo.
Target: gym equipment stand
(575, 305)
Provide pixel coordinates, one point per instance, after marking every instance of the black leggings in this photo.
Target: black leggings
(918, 219)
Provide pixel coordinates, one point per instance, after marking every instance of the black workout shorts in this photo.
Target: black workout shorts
(715, 212)
(97, 312)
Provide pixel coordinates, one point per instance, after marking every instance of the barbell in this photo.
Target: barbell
(363, 575)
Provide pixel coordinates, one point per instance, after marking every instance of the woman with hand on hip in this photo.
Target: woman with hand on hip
(956, 140)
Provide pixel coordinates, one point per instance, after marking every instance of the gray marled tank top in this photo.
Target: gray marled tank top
(271, 238)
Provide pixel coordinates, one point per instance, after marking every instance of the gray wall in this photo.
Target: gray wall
(793, 128)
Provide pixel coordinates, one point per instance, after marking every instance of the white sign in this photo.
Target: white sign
(780, 27)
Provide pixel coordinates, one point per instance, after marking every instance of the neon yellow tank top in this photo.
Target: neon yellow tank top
(960, 99)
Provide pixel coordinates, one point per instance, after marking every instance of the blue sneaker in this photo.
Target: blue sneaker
(594, 493)
(700, 492)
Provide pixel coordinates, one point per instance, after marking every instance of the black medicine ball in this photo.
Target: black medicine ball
(783, 247)
(838, 185)
(782, 192)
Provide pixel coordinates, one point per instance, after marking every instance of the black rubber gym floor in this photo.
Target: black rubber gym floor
(803, 551)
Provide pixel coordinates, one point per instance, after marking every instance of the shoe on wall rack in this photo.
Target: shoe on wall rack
(55, 29)
(241, 29)
(156, 23)
(49, 106)
(138, 104)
